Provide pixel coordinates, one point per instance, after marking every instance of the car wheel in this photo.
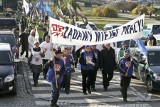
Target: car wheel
(149, 85)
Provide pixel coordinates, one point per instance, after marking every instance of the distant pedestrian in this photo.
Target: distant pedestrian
(97, 64)
(31, 39)
(107, 64)
(68, 61)
(124, 46)
(126, 65)
(55, 76)
(87, 61)
(36, 62)
(24, 42)
(45, 34)
(47, 48)
(151, 40)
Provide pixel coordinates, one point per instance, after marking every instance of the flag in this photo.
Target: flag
(59, 14)
(142, 47)
(48, 11)
(71, 9)
(25, 6)
(36, 36)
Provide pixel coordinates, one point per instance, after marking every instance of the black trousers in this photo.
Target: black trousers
(94, 78)
(24, 50)
(36, 77)
(66, 82)
(87, 79)
(125, 82)
(107, 77)
(45, 70)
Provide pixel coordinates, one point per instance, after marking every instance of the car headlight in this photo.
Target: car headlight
(9, 78)
(156, 77)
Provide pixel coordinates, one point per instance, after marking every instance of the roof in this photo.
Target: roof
(5, 47)
(6, 31)
(153, 48)
(113, 24)
(80, 22)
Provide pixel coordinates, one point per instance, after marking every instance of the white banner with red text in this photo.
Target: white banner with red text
(66, 34)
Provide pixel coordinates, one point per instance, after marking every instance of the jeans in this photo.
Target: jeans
(55, 92)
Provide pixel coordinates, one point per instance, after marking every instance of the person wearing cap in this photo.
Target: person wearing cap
(68, 61)
(36, 62)
(55, 76)
(107, 64)
(47, 47)
(97, 64)
(24, 42)
(87, 61)
(124, 46)
(151, 40)
(126, 65)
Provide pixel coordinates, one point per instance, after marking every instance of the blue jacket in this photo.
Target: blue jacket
(83, 59)
(60, 68)
(67, 62)
(123, 65)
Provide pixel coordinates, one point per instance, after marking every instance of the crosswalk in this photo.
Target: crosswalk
(42, 93)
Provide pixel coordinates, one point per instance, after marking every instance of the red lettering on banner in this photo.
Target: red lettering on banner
(57, 30)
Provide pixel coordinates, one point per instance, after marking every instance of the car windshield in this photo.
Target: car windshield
(156, 29)
(5, 58)
(7, 38)
(93, 26)
(153, 58)
(6, 23)
(132, 43)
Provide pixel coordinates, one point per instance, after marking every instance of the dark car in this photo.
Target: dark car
(8, 37)
(148, 69)
(7, 70)
(8, 23)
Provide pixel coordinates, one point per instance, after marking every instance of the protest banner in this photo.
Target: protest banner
(66, 34)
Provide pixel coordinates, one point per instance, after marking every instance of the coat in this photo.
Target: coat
(24, 40)
(107, 60)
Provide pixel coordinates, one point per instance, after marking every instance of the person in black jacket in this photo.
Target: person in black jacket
(107, 64)
(87, 61)
(24, 41)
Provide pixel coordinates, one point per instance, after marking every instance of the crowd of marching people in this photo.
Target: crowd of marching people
(57, 63)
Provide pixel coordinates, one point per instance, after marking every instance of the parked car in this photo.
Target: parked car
(7, 70)
(90, 25)
(152, 28)
(8, 37)
(111, 26)
(8, 23)
(148, 68)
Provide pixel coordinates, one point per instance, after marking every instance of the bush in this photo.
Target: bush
(157, 18)
(105, 11)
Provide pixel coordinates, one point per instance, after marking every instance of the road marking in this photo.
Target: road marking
(80, 94)
(89, 101)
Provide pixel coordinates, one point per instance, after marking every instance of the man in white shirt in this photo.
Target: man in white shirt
(47, 48)
(31, 39)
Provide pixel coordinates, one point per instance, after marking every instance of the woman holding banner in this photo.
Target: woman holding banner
(87, 61)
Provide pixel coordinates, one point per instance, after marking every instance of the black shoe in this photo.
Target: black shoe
(66, 92)
(44, 76)
(125, 99)
(26, 56)
(105, 88)
(84, 93)
(93, 89)
(89, 91)
(54, 105)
